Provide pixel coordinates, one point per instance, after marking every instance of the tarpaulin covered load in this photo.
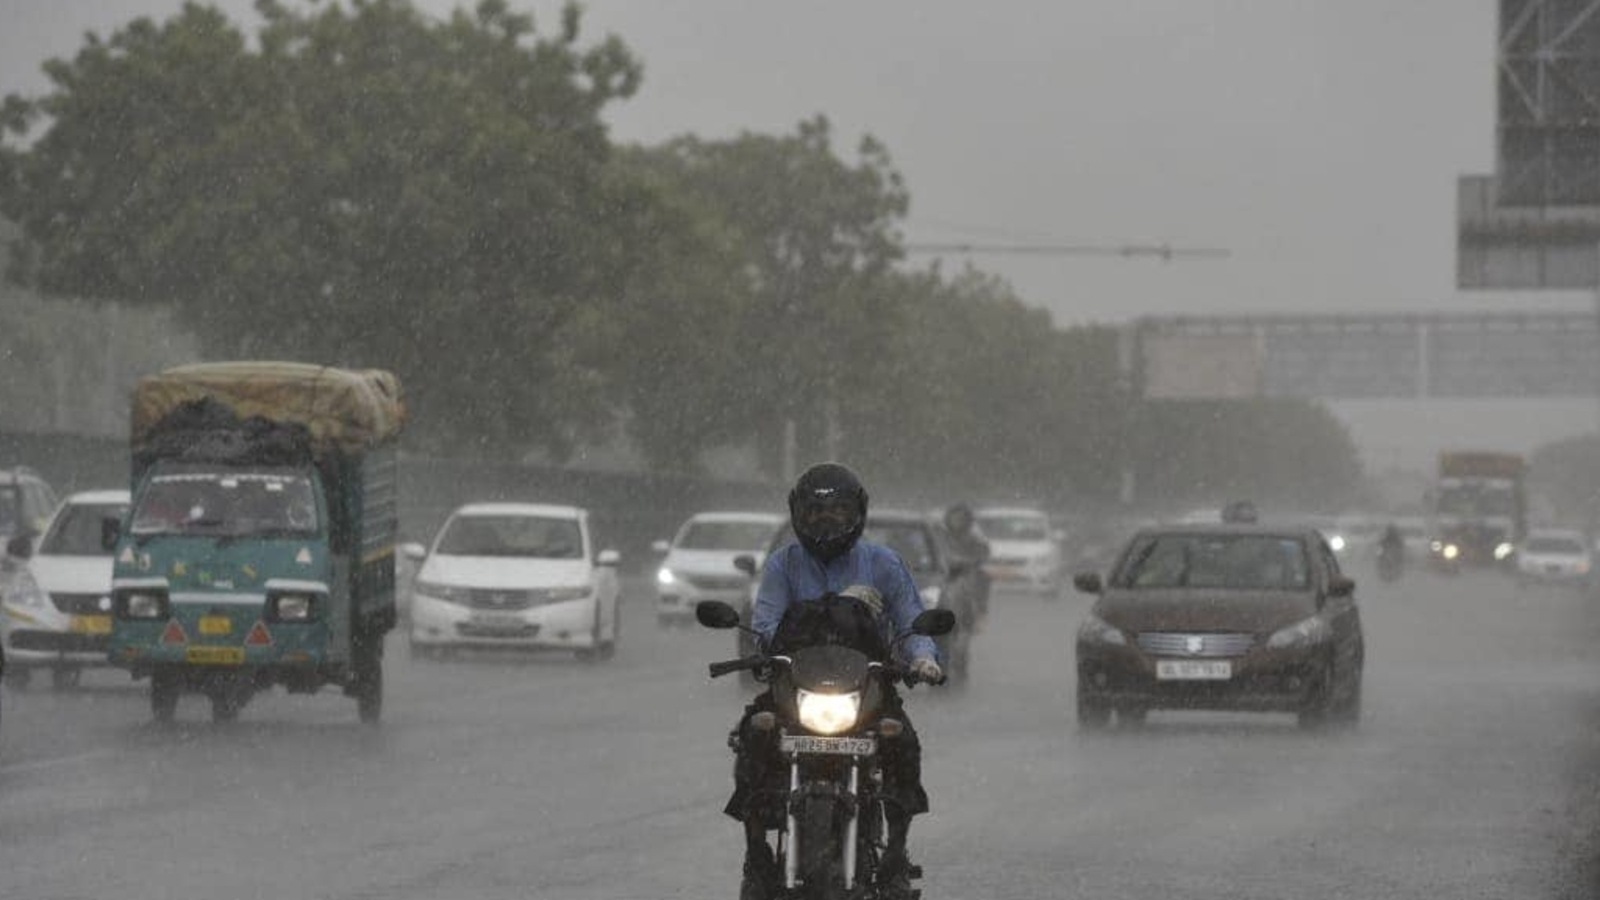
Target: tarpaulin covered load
(342, 409)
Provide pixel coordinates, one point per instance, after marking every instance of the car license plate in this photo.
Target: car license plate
(498, 621)
(216, 625)
(90, 625)
(216, 656)
(804, 743)
(1193, 670)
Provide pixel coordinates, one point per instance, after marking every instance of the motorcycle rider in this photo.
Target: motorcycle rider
(1392, 545)
(969, 548)
(828, 511)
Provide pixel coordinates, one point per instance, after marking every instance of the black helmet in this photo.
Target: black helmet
(958, 518)
(828, 510)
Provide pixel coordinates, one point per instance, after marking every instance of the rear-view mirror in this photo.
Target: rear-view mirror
(1088, 582)
(934, 622)
(745, 563)
(716, 614)
(608, 558)
(1341, 586)
(414, 551)
(110, 533)
(660, 547)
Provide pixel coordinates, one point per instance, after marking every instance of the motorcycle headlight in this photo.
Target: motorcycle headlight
(829, 713)
(1451, 551)
(1503, 551)
(664, 576)
(1097, 630)
(1337, 543)
(1305, 633)
(444, 592)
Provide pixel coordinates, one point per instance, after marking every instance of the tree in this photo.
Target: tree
(363, 186)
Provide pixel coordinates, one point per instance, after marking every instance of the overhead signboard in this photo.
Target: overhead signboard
(1201, 366)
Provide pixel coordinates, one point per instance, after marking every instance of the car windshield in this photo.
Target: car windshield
(539, 537)
(1235, 562)
(77, 530)
(910, 540)
(1014, 528)
(264, 502)
(711, 535)
(1555, 546)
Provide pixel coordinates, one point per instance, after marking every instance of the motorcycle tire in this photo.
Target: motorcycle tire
(820, 852)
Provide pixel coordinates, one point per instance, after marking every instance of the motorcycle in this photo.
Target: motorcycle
(830, 843)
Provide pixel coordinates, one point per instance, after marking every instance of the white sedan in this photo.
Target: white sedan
(515, 575)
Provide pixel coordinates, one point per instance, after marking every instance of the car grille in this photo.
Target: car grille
(1167, 643)
(496, 599)
(1016, 561)
(717, 582)
(80, 604)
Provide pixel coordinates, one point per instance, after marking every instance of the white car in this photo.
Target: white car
(1023, 552)
(1555, 556)
(515, 575)
(56, 612)
(699, 561)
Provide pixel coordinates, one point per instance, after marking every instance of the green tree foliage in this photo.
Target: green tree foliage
(362, 186)
(1567, 474)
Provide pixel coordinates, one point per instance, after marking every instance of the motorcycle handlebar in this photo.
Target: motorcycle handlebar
(727, 667)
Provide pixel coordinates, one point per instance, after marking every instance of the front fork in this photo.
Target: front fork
(852, 828)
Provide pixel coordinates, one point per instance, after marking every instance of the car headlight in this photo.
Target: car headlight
(664, 576)
(291, 607)
(25, 592)
(1503, 551)
(1098, 631)
(1305, 633)
(1337, 543)
(829, 713)
(1451, 551)
(445, 592)
(931, 595)
(142, 603)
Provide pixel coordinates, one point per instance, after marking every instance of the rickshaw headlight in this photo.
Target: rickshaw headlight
(142, 604)
(829, 713)
(292, 607)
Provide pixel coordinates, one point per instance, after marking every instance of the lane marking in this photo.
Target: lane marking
(34, 765)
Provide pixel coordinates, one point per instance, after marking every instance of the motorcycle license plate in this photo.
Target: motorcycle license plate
(1193, 670)
(804, 743)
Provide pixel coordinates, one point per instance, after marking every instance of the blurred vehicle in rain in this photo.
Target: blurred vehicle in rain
(697, 564)
(920, 542)
(58, 616)
(1024, 554)
(1237, 617)
(26, 503)
(1479, 507)
(518, 575)
(1557, 556)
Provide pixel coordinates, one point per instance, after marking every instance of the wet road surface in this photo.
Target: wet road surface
(1473, 774)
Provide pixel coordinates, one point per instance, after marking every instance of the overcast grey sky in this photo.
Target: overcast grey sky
(1317, 140)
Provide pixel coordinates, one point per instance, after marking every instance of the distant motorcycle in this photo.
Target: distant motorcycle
(829, 723)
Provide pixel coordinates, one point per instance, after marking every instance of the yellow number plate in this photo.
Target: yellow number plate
(216, 625)
(216, 656)
(91, 625)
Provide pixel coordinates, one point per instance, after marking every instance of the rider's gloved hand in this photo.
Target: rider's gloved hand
(927, 670)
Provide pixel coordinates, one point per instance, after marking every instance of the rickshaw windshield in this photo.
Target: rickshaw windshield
(233, 503)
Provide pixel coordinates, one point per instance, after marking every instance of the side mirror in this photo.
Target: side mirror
(745, 563)
(608, 558)
(660, 547)
(110, 533)
(20, 547)
(716, 614)
(934, 622)
(1341, 586)
(1088, 582)
(414, 551)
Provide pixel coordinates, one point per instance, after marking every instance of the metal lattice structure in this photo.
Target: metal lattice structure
(1549, 102)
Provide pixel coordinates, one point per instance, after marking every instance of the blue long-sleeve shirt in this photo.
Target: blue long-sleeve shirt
(791, 575)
